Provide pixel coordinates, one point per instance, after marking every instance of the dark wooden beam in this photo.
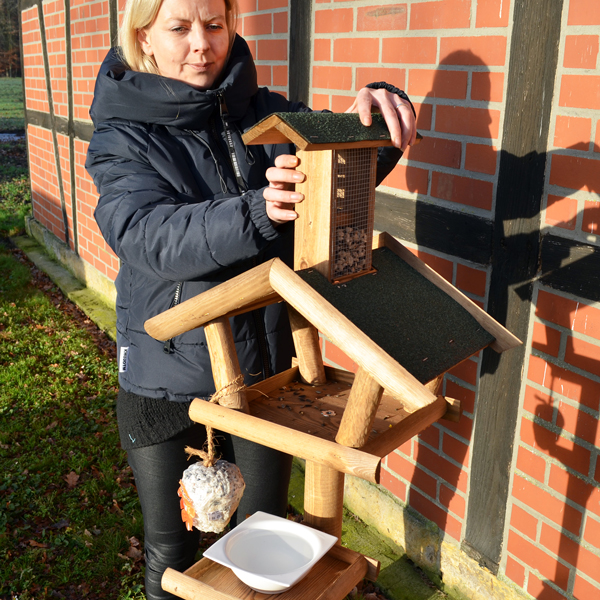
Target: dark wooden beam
(300, 50)
(515, 253)
(458, 234)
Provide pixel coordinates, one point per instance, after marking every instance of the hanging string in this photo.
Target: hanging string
(208, 456)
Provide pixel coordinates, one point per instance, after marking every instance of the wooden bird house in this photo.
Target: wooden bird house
(401, 323)
(339, 156)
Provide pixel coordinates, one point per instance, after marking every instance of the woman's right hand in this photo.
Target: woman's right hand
(280, 195)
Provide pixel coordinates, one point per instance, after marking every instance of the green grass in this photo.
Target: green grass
(11, 104)
(69, 516)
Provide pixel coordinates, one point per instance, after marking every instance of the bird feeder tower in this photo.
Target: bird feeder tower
(338, 154)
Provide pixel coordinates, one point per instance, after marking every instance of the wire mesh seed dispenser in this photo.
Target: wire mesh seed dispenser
(399, 321)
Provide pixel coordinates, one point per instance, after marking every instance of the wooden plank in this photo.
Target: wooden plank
(350, 556)
(224, 362)
(323, 498)
(504, 339)
(249, 287)
(410, 426)
(312, 228)
(361, 411)
(344, 334)
(258, 390)
(273, 435)
(308, 351)
(188, 588)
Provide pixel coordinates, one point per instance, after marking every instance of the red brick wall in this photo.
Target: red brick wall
(452, 58)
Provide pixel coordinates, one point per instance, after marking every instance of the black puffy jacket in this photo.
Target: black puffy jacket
(172, 210)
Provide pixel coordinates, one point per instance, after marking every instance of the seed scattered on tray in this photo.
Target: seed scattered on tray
(328, 413)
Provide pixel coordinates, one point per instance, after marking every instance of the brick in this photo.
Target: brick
(570, 551)
(335, 78)
(575, 488)
(546, 339)
(263, 74)
(541, 590)
(575, 172)
(524, 522)
(481, 158)
(269, 4)
(436, 151)
(566, 383)
(569, 453)
(584, 12)
(453, 501)
(258, 25)
(489, 50)
(531, 464)
(322, 49)
(536, 558)
(492, 13)
(339, 20)
(591, 533)
(580, 91)
(568, 313)
(544, 503)
(455, 449)
(471, 280)
(391, 17)
(431, 436)
(366, 75)
(440, 265)
(280, 75)
(272, 50)
(280, 22)
(416, 477)
(341, 103)
(572, 132)
(408, 178)
(441, 14)
(338, 357)
(356, 50)
(515, 571)
(561, 212)
(393, 484)
(584, 590)
(435, 83)
(460, 120)
(581, 51)
(424, 115)
(467, 371)
(462, 190)
(416, 50)
(436, 514)
(591, 217)
(487, 87)
(443, 468)
(583, 355)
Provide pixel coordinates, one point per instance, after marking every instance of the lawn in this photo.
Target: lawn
(11, 105)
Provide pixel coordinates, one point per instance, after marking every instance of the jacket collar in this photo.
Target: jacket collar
(147, 98)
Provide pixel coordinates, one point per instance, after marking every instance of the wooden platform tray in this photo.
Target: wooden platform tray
(332, 578)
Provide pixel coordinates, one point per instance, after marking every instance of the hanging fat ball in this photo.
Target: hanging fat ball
(210, 495)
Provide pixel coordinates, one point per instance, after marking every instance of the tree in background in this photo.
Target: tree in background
(10, 55)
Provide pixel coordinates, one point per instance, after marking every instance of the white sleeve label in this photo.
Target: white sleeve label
(123, 359)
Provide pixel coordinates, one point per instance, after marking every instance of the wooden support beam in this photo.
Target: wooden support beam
(188, 588)
(304, 445)
(224, 362)
(247, 288)
(397, 381)
(308, 351)
(323, 498)
(360, 411)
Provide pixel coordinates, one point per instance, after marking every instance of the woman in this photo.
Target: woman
(185, 205)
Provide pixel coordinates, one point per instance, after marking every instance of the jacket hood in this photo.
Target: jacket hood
(124, 94)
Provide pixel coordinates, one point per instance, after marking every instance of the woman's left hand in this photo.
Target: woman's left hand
(396, 111)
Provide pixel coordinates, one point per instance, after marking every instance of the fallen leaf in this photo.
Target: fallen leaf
(37, 544)
(72, 478)
(134, 553)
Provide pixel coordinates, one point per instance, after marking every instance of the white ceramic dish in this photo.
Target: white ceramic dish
(270, 554)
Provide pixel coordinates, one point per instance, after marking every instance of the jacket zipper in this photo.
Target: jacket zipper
(168, 347)
(261, 334)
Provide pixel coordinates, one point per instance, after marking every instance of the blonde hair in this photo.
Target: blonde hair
(140, 14)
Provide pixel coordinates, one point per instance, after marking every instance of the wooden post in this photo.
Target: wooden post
(224, 362)
(323, 498)
(360, 411)
(308, 351)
